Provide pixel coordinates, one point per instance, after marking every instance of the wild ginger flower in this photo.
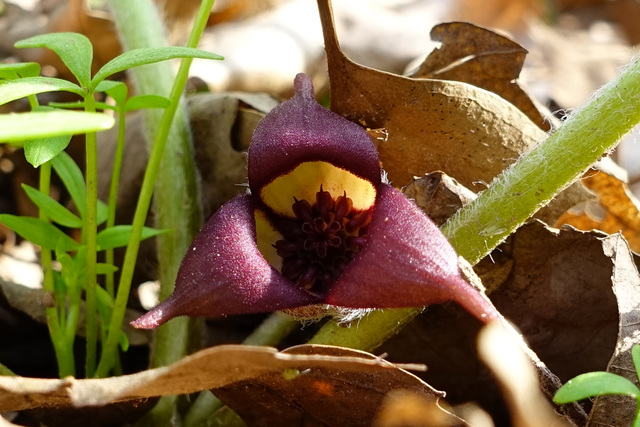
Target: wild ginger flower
(320, 226)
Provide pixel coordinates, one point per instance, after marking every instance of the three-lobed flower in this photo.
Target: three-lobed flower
(319, 226)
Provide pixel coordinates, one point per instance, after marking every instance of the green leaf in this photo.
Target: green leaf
(595, 384)
(40, 151)
(104, 268)
(119, 235)
(146, 101)
(150, 55)
(116, 90)
(123, 340)
(102, 212)
(21, 88)
(39, 232)
(35, 125)
(74, 50)
(19, 69)
(635, 355)
(73, 180)
(80, 105)
(54, 210)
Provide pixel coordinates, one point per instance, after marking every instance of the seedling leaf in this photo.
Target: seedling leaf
(595, 384)
(119, 235)
(74, 50)
(54, 210)
(20, 88)
(35, 125)
(40, 151)
(72, 178)
(19, 69)
(146, 101)
(39, 232)
(150, 55)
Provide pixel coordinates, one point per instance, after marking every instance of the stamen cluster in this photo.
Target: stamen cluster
(322, 240)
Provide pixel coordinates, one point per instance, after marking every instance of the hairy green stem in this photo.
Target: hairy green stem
(516, 194)
(90, 232)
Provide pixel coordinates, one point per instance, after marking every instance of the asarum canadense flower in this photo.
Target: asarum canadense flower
(320, 226)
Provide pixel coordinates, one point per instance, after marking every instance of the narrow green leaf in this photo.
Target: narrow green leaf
(40, 151)
(635, 355)
(74, 50)
(116, 90)
(103, 268)
(123, 340)
(119, 235)
(146, 101)
(595, 384)
(102, 212)
(21, 88)
(73, 180)
(39, 232)
(19, 69)
(150, 55)
(80, 105)
(25, 126)
(54, 210)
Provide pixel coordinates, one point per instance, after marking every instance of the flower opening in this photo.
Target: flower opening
(321, 240)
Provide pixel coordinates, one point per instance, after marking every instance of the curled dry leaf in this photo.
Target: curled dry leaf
(322, 395)
(559, 295)
(483, 58)
(616, 209)
(620, 410)
(469, 133)
(330, 377)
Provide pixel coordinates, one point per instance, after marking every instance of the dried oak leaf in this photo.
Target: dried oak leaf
(469, 133)
(616, 209)
(322, 395)
(483, 58)
(334, 381)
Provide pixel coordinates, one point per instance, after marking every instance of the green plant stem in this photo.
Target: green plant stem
(274, 328)
(90, 232)
(518, 193)
(64, 354)
(139, 26)
(113, 195)
(59, 338)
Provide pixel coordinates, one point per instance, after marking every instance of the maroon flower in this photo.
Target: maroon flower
(319, 226)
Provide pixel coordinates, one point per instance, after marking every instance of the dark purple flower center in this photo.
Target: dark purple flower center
(321, 241)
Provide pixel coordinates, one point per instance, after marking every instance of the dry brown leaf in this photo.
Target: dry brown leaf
(321, 395)
(438, 195)
(620, 410)
(483, 58)
(469, 133)
(559, 295)
(214, 368)
(617, 211)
